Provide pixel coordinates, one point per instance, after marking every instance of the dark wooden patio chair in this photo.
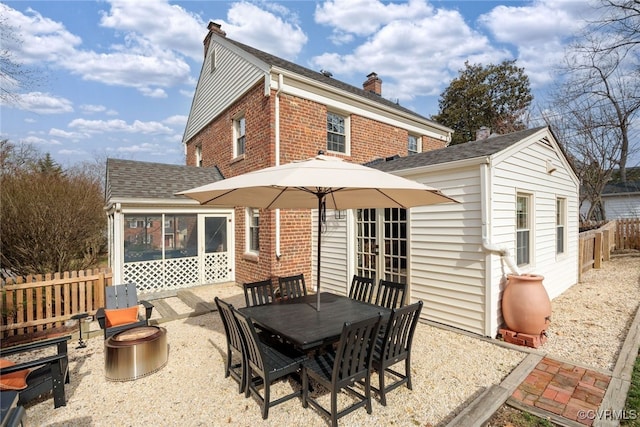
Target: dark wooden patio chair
(390, 294)
(361, 288)
(258, 293)
(394, 347)
(236, 370)
(39, 376)
(121, 310)
(292, 286)
(339, 369)
(265, 364)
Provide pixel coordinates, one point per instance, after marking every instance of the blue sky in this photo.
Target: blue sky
(116, 77)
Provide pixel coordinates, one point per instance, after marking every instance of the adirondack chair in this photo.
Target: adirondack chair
(121, 310)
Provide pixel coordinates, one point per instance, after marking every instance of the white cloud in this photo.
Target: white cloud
(44, 103)
(279, 34)
(101, 126)
(539, 32)
(91, 109)
(364, 17)
(67, 135)
(39, 141)
(37, 38)
(431, 46)
(176, 120)
(168, 26)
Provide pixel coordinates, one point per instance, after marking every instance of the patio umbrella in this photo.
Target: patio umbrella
(319, 182)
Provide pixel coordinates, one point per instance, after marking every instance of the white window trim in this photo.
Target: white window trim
(418, 143)
(347, 132)
(199, 156)
(212, 58)
(530, 226)
(563, 220)
(236, 122)
(248, 213)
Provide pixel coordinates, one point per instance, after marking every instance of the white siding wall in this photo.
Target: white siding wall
(215, 92)
(336, 255)
(616, 207)
(447, 264)
(525, 171)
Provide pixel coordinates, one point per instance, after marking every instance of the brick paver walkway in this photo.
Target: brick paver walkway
(564, 389)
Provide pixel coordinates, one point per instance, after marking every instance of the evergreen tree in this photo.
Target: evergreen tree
(495, 96)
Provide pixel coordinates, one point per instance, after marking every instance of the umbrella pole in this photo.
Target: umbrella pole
(320, 198)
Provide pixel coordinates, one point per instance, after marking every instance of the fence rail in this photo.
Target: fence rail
(38, 303)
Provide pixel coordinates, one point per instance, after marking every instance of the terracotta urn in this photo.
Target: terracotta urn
(526, 307)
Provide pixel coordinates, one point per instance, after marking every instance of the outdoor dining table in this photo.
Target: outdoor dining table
(298, 322)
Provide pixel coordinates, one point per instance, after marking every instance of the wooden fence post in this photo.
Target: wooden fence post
(597, 251)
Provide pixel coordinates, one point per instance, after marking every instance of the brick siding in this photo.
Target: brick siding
(302, 134)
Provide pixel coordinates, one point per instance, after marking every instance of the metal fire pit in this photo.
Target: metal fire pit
(135, 353)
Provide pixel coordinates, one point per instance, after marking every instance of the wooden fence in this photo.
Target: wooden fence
(628, 234)
(38, 303)
(595, 246)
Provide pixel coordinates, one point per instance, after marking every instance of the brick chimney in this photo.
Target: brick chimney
(373, 84)
(213, 28)
(483, 133)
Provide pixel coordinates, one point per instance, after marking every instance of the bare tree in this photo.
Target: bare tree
(52, 220)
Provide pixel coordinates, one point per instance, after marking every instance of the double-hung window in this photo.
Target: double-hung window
(199, 156)
(253, 230)
(561, 224)
(413, 145)
(523, 229)
(337, 128)
(239, 136)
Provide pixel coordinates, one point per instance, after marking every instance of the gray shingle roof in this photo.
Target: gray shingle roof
(128, 179)
(298, 69)
(452, 153)
(621, 188)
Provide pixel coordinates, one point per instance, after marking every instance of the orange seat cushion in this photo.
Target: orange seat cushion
(121, 316)
(14, 380)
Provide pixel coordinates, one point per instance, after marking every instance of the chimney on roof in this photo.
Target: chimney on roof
(483, 133)
(373, 84)
(213, 28)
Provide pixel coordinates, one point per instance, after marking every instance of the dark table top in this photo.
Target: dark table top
(8, 402)
(299, 322)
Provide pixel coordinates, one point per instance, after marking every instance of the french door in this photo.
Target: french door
(381, 244)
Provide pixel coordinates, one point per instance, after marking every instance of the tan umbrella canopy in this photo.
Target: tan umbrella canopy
(318, 182)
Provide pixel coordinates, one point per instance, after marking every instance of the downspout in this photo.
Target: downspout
(487, 246)
(277, 155)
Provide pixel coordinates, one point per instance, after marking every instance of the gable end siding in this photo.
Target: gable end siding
(215, 91)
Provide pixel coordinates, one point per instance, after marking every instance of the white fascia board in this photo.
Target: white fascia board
(458, 164)
(350, 102)
(139, 210)
(154, 202)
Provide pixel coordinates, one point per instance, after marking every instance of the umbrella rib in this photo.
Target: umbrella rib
(277, 197)
(391, 198)
(217, 197)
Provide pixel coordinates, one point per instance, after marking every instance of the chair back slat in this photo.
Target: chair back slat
(292, 286)
(399, 331)
(390, 294)
(361, 288)
(355, 349)
(258, 293)
(121, 296)
(231, 329)
(252, 347)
